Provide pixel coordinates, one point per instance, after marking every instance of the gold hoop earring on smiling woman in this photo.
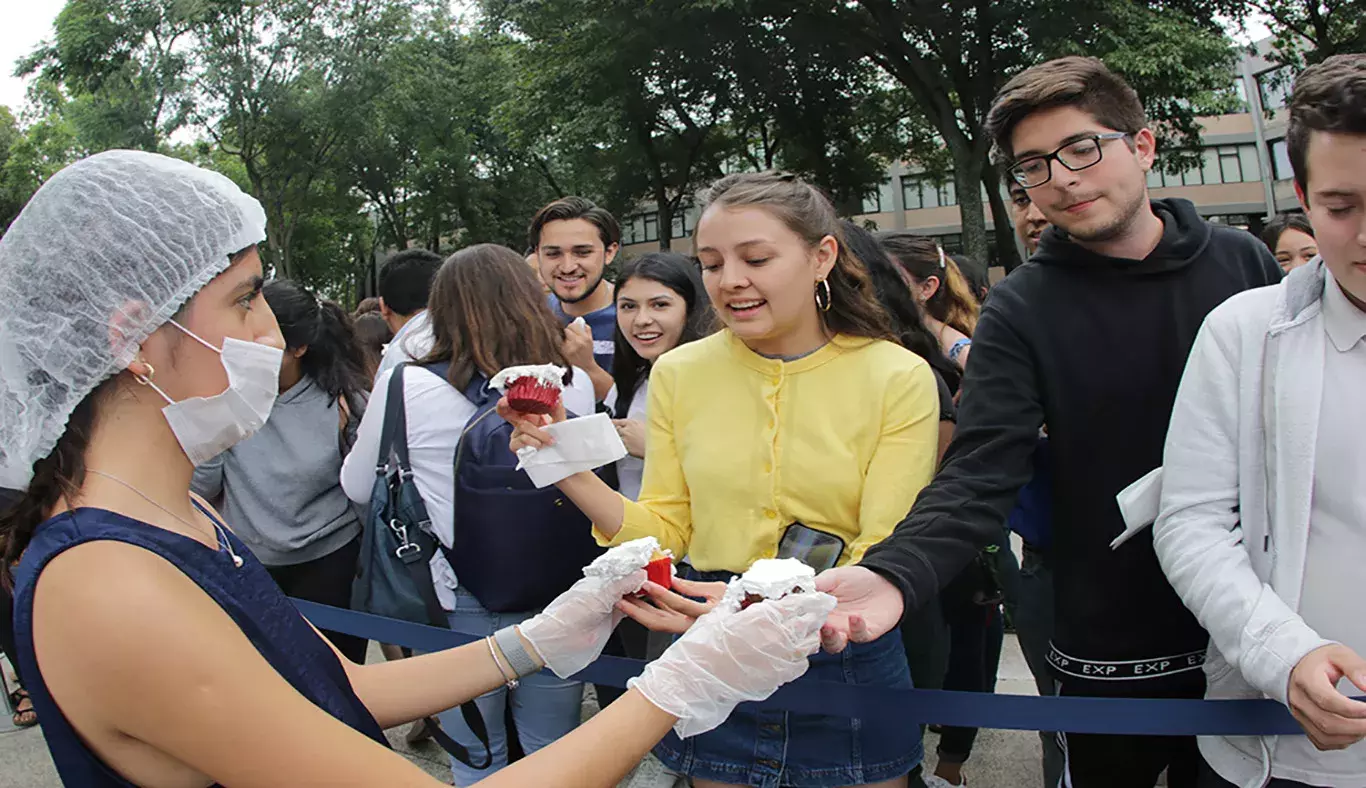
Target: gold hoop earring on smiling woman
(823, 299)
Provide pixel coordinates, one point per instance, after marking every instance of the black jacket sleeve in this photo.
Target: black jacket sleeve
(991, 457)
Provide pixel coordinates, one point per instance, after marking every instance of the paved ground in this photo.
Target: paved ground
(1001, 759)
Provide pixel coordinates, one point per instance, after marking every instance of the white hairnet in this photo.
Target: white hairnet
(120, 232)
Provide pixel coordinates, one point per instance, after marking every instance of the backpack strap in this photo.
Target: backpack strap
(394, 437)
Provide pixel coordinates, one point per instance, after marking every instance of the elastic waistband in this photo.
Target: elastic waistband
(1126, 670)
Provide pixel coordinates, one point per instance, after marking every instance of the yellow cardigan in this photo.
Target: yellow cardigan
(741, 446)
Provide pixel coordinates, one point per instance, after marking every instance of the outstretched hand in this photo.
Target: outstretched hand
(667, 611)
(868, 606)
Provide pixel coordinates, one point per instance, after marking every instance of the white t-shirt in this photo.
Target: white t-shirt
(437, 414)
(631, 469)
(1337, 532)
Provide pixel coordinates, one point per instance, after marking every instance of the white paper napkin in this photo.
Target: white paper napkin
(582, 444)
(1140, 503)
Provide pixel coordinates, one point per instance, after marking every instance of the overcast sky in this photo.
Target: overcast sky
(25, 23)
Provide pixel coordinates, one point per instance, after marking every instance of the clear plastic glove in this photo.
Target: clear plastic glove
(572, 631)
(730, 656)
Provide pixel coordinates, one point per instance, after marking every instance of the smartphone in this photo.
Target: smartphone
(816, 549)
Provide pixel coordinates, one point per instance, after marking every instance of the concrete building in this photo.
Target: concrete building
(1243, 178)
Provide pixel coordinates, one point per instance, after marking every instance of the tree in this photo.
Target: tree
(1307, 31)
(803, 105)
(279, 83)
(122, 65)
(951, 59)
(630, 82)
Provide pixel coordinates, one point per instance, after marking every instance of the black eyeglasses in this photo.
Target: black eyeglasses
(1076, 155)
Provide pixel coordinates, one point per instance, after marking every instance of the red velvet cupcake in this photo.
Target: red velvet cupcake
(531, 389)
(660, 570)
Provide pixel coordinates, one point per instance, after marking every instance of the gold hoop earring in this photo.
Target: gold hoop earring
(823, 289)
(146, 379)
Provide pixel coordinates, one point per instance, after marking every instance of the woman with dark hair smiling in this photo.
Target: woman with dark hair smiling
(1290, 237)
(661, 304)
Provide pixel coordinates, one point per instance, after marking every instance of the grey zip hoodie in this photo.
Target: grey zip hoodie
(280, 489)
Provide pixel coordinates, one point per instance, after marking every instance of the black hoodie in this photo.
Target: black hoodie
(1093, 346)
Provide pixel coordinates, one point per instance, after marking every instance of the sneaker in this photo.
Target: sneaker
(935, 781)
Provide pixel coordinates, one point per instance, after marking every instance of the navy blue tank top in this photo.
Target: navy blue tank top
(248, 595)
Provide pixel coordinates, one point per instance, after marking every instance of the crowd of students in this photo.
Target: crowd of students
(190, 444)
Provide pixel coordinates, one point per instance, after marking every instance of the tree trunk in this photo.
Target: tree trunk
(967, 180)
(666, 219)
(1007, 254)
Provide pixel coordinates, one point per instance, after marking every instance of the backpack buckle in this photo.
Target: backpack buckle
(407, 549)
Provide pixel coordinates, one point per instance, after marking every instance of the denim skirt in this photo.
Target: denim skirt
(776, 749)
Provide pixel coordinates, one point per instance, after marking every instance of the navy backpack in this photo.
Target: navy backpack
(516, 548)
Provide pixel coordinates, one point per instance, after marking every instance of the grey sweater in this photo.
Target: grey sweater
(280, 489)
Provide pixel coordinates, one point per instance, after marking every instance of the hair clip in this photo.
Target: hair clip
(943, 262)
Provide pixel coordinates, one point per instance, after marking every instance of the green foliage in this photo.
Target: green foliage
(1307, 31)
(369, 125)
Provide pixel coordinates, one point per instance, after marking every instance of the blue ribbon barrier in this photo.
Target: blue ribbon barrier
(910, 707)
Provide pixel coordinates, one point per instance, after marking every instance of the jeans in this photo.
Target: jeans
(545, 707)
(1029, 599)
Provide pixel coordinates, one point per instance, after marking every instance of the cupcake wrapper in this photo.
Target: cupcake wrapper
(660, 571)
(529, 395)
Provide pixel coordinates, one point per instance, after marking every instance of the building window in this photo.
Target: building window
(946, 194)
(880, 199)
(924, 192)
(684, 221)
(1252, 168)
(1280, 161)
(910, 193)
(952, 244)
(872, 202)
(1193, 176)
(1209, 165)
(1275, 86)
(642, 228)
(929, 196)
(1229, 168)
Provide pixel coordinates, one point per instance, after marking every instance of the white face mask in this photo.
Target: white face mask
(208, 426)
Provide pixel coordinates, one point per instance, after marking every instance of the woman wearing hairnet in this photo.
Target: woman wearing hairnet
(134, 344)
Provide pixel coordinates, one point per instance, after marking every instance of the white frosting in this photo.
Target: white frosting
(548, 374)
(773, 578)
(623, 560)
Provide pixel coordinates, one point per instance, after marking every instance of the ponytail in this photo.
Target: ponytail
(56, 477)
(920, 257)
(960, 308)
(334, 360)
